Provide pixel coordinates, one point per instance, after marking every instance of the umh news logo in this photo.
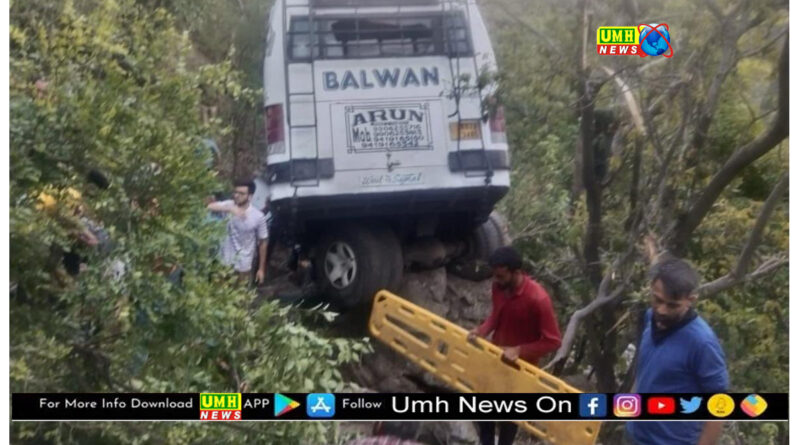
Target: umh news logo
(220, 406)
(643, 40)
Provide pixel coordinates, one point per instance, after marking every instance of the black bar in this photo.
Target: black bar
(303, 169)
(78, 406)
(261, 406)
(472, 160)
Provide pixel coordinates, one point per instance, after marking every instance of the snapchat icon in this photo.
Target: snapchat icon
(721, 405)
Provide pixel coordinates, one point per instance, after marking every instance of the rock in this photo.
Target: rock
(470, 302)
(425, 253)
(440, 309)
(462, 301)
(451, 433)
(424, 287)
(473, 270)
(387, 370)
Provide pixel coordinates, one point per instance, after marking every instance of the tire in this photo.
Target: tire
(501, 225)
(488, 237)
(353, 262)
(391, 258)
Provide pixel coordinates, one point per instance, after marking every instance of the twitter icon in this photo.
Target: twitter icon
(690, 406)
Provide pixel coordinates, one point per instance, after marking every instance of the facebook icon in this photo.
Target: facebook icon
(593, 405)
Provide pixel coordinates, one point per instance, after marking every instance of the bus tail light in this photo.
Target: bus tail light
(273, 121)
(497, 123)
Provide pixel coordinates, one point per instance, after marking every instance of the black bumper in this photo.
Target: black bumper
(469, 205)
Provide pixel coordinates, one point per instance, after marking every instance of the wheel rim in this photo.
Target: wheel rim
(340, 265)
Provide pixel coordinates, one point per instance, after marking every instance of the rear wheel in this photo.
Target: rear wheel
(481, 243)
(488, 237)
(353, 262)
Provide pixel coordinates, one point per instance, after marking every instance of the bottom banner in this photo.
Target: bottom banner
(351, 406)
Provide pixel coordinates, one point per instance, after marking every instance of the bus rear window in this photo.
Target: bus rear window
(369, 37)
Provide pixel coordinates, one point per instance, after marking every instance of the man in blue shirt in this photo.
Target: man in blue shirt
(679, 353)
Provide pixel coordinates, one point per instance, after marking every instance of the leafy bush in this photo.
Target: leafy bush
(104, 85)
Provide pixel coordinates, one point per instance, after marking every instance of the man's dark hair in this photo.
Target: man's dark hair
(506, 257)
(251, 186)
(677, 276)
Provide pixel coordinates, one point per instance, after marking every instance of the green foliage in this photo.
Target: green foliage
(233, 31)
(757, 362)
(105, 85)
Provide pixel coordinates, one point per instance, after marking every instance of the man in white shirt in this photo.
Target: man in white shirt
(246, 228)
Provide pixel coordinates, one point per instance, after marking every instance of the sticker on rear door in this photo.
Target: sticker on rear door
(384, 179)
(377, 128)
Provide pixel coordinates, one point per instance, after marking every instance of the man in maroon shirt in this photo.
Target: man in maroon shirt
(522, 322)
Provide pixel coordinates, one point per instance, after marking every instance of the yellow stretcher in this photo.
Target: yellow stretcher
(441, 348)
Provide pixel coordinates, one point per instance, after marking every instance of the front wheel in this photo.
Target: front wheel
(353, 262)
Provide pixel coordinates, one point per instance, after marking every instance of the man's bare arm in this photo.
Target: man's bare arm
(262, 261)
(219, 207)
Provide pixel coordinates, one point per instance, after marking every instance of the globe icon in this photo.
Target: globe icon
(655, 40)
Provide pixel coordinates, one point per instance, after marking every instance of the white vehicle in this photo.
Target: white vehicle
(382, 134)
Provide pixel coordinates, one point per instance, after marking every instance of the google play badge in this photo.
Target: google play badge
(284, 404)
(753, 405)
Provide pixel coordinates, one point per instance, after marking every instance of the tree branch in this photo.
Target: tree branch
(729, 281)
(603, 297)
(612, 175)
(715, 11)
(728, 61)
(761, 49)
(661, 183)
(756, 233)
(231, 372)
(739, 273)
(543, 37)
(741, 158)
(578, 316)
(630, 101)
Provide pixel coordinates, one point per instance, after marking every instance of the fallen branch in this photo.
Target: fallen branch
(603, 297)
(578, 316)
(630, 100)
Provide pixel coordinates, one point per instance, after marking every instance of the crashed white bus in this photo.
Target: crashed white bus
(383, 135)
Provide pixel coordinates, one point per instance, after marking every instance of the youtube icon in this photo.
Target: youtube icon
(661, 405)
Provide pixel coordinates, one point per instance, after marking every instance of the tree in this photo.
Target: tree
(104, 86)
(234, 31)
(696, 161)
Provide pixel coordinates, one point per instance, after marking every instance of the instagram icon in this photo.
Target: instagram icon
(627, 405)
